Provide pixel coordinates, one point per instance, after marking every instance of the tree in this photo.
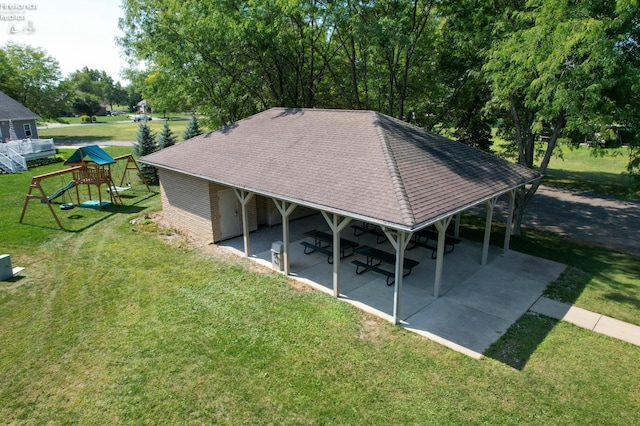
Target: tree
(9, 80)
(166, 138)
(193, 129)
(145, 145)
(86, 103)
(99, 84)
(34, 79)
(115, 94)
(554, 70)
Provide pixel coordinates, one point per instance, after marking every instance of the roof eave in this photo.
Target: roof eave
(345, 213)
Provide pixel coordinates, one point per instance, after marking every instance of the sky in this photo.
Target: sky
(77, 33)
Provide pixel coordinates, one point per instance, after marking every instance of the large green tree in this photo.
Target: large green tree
(231, 59)
(554, 70)
(32, 78)
(99, 84)
(85, 104)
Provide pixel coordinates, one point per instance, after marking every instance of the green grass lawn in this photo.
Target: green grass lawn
(579, 169)
(584, 169)
(121, 130)
(121, 322)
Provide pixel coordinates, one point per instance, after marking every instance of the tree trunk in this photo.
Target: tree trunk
(524, 196)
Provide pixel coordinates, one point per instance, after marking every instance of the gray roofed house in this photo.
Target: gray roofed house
(360, 165)
(20, 117)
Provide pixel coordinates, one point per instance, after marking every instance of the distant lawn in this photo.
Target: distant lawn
(113, 131)
(579, 169)
(583, 169)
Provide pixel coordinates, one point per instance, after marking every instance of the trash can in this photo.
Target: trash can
(276, 255)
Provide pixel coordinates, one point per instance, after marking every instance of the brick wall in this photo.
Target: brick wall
(186, 203)
(192, 204)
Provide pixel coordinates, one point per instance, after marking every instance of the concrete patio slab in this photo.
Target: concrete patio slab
(494, 291)
(457, 326)
(478, 303)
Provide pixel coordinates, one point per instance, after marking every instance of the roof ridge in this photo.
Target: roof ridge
(396, 179)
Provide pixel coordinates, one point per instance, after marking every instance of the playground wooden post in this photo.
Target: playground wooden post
(131, 160)
(35, 184)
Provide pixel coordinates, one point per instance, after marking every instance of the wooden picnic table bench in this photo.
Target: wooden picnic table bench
(424, 238)
(376, 257)
(369, 228)
(323, 243)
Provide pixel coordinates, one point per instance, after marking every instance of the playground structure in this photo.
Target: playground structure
(96, 172)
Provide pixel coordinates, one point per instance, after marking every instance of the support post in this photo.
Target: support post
(490, 204)
(337, 225)
(285, 210)
(456, 229)
(399, 240)
(244, 197)
(507, 232)
(441, 226)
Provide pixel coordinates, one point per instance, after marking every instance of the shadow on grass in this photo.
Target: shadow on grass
(613, 184)
(518, 344)
(111, 209)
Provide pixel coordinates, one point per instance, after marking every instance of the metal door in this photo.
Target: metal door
(229, 213)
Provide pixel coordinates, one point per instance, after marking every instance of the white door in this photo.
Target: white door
(229, 213)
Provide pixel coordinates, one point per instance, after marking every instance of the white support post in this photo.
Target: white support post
(337, 225)
(491, 203)
(456, 229)
(244, 197)
(507, 232)
(441, 226)
(285, 210)
(399, 240)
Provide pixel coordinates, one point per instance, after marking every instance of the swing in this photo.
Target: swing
(119, 189)
(65, 205)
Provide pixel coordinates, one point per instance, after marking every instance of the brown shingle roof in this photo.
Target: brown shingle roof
(358, 163)
(10, 109)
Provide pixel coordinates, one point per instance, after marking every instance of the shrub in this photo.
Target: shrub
(167, 137)
(85, 119)
(192, 130)
(146, 144)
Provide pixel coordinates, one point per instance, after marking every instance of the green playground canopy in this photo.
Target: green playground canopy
(94, 152)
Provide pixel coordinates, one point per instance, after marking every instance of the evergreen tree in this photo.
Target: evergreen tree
(145, 145)
(192, 130)
(166, 138)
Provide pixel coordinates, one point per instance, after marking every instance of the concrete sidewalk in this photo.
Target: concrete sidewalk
(589, 320)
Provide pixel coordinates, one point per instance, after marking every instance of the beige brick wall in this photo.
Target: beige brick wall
(192, 204)
(186, 203)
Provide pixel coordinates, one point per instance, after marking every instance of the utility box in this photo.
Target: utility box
(6, 270)
(277, 260)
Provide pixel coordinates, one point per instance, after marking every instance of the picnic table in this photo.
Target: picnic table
(323, 243)
(428, 238)
(369, 228)
(376, 257)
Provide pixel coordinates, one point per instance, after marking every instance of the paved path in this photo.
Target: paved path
(587, 217)
(589, 320)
